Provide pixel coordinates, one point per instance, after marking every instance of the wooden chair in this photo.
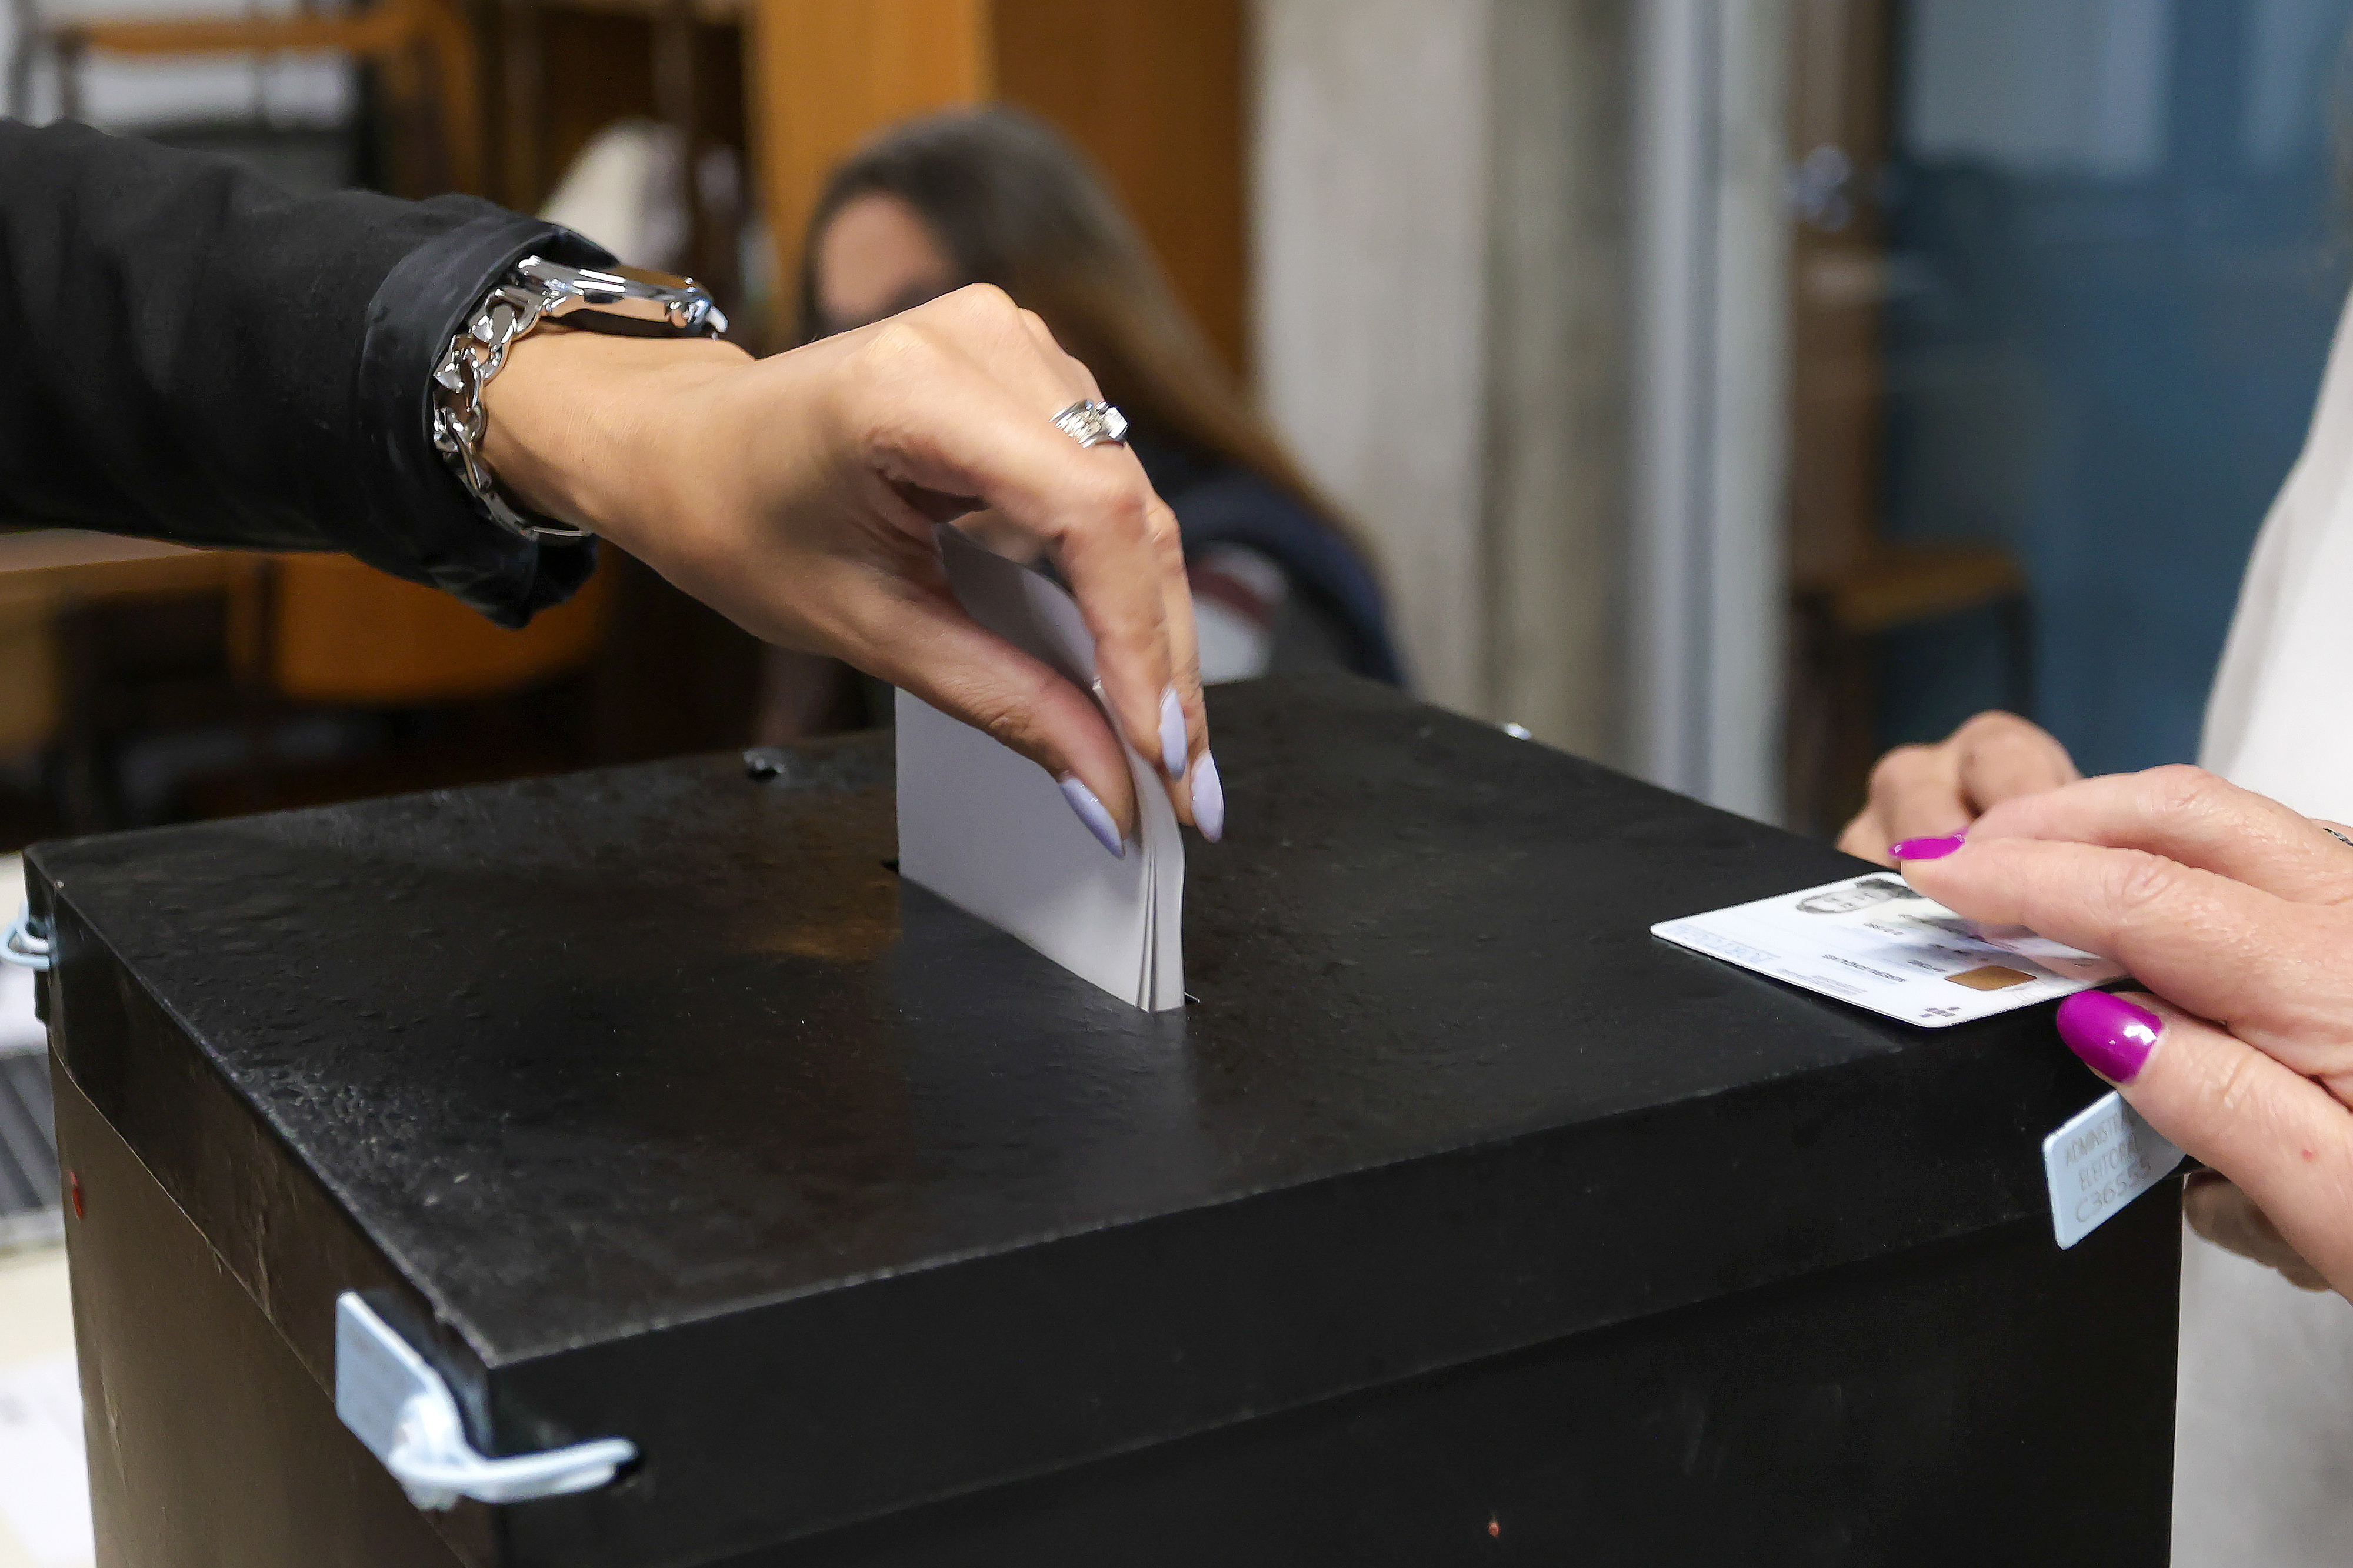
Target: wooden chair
(99, 636)
(327, 632)
(405, 39)
(547, 111)
(1840, 617)
(335, 633)
(1851, 583)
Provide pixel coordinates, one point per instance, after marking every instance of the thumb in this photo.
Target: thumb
(2284, 1140)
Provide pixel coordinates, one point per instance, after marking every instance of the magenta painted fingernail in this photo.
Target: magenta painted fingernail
(2112, 1036)
(1091, 810)
(1926, 848)
(1209, 799)
(1172, 735)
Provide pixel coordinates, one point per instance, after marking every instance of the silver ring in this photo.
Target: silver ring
(2334, 834)
(1094, 425)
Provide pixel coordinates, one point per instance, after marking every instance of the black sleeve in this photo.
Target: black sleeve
(189, 353)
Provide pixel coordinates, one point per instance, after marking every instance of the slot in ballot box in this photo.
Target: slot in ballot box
(1456, 1219)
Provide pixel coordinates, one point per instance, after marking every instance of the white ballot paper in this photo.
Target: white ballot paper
(1874, 942)
(988, 830)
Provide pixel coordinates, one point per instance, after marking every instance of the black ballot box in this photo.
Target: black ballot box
(1455, 1219)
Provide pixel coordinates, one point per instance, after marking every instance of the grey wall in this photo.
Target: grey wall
(1440, 191)
(1371, 211)
(1455, 329)
(1556, 428)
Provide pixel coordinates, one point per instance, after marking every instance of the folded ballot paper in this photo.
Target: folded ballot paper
(988, 830)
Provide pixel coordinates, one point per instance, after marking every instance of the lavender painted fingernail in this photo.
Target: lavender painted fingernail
(1091, 810)
(1209, 799)
(2112, 1036)
(1926, 848)
(1172, 735)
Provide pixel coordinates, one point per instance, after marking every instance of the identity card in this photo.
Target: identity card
(1874, 942)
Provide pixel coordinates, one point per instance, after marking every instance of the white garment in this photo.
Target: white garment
(2263, 1470)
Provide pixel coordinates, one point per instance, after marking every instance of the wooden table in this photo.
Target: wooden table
(43, 572)
(52, 565)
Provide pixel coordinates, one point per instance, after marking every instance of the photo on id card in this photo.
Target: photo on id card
(1877, 942)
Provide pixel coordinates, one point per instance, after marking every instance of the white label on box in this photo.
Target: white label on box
(2105, 1157)
(43, 1484)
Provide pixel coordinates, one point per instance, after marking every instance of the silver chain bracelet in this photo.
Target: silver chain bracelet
(620, 300)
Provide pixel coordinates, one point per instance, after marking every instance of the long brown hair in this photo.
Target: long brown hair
(1014, 204)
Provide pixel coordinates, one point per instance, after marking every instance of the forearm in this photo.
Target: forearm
(187, 353)
(578, 425)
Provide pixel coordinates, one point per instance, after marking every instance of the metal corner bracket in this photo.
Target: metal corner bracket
(400, 1407)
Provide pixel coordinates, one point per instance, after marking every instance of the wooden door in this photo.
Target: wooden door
(825, 75)
(1153, 91)
(1838, 140)
(1838, 147)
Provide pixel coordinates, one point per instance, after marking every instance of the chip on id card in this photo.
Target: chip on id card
(1876, 942)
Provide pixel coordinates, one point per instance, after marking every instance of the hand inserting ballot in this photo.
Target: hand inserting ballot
(2237, 912)
(798, 496)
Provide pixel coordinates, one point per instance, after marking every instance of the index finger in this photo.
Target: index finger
(2273, 973)
(1181, 720)
(938, 419)
(2194, 819)
(1182, 717)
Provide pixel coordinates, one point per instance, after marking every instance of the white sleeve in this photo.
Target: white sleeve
(2278, 718)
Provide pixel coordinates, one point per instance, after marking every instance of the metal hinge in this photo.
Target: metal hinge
(400, 1407)
(26, 943)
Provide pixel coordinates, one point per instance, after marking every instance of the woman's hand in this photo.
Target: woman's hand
(1925, 792)
(2238, 914)
(2219, 1209)
(798, 496)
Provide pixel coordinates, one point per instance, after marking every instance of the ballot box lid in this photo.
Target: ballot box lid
(648, 1102)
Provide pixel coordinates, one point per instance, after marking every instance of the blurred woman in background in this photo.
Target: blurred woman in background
(1280, 583)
